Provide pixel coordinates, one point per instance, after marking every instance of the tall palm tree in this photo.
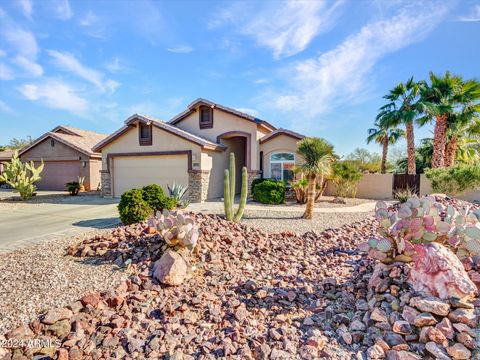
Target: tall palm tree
(402, 110)
(440, 99)
(463, 136)
(318, 156)
(384, 136)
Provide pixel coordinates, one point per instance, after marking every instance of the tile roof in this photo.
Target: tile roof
(79, 139)
(6, 154)
(200, 101)
(161, 125)
(281, 131)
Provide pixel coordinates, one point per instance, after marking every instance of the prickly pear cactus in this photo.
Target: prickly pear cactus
(178, 230)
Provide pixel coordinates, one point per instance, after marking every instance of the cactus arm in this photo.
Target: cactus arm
(243, 195)
(227, 200)
(232, 177)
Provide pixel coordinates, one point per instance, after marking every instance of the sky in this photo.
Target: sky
(316, 67)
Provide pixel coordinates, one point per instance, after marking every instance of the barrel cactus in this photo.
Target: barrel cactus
(178, 230)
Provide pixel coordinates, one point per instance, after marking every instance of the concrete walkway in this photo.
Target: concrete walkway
(23, 224)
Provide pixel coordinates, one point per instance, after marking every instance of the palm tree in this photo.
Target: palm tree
(318, 156)
(463, 136)
(402, 110)
(384, 136)
(443, 97)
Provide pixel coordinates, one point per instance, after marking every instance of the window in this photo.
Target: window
(52, 142)
(205, 117)
(281, 166)
(145, 134)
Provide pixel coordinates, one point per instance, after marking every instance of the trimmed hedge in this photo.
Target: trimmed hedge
(133, 208)
(155, 197)
(269, 191)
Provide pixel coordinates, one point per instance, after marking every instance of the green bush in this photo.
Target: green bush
(257, 181)
(454, 180)
(133, 208)
(269, 191)
(155, 197)
(346, 176)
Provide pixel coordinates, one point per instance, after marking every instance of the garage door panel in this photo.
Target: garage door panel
(138, 171)
(56, 174)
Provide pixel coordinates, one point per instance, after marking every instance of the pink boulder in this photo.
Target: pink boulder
(438, 272)
(171, 269)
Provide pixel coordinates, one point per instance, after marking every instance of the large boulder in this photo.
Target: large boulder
(171, 269)
(438, 272)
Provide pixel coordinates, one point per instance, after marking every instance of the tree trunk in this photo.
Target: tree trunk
(450, 151)
(439, 141)
(312, 182)
(412, 167)
(383, 166)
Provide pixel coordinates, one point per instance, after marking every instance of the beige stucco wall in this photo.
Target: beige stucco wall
(94, 167)
(372, 186)
(45, 151)
(161, 141)
(224, 122)
(281, 143)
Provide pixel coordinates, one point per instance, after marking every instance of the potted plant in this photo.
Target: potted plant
(73, 187)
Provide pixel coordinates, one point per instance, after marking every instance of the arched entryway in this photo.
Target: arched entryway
(238, 142)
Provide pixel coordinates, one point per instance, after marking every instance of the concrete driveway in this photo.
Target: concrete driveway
(23, 224)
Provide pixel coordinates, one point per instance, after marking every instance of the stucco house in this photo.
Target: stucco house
(193, 149)
(5, 157)
(67, 154)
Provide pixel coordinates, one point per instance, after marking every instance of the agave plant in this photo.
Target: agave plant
(178, 230)
(422, 221)
(178, 191)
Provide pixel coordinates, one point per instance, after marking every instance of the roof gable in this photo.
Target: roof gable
(279, 132)
(129, 124)
(200, 101)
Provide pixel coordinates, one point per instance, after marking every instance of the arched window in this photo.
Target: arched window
(281, 166)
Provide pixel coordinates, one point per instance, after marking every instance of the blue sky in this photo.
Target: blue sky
(317, 67)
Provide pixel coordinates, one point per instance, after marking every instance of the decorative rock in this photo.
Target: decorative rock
(60, 328)
(437, 351)
(375, 352)
(347, 337)
(55, 315)
(393, 339)
(410, 314)
(459, 352)
(379, 315)
(466, 340)
(439, 272)
(437, 336)
(91, 299)
(430, 305)
(241, 312)
(464, 316)
(357, 325)
(402, 355)
(424, 319)
(171, 269)
(445, 326)
(402, 327)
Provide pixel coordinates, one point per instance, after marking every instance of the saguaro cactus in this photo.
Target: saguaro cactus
(229, 191)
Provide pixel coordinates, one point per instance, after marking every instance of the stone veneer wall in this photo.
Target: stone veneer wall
(251, 176)
(106, 183)
(198, 181)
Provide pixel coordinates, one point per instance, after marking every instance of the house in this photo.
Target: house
(67, 154)
(193, 149)
(5, 156)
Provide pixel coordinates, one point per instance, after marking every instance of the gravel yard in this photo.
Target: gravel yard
(42, 277)
(11, 200)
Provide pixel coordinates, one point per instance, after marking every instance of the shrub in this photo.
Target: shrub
(258, 181)
(345, 177)
(454, 180)
(133, 208)
(269, 192)
(155, 198)
(73, 187)
(403, 195)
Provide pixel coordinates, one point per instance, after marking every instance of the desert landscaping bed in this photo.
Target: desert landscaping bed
(257, 295)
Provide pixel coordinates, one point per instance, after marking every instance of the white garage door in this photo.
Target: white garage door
(138, 171)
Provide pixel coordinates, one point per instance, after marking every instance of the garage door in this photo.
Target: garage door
(56, 174)
(137, 171)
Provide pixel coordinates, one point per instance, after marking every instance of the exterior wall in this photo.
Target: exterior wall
(425, 185)
(198, 184)
(45, 151)
(281, 143)
(223, 122)
(469, 195)
(372, 186)
(94, 179)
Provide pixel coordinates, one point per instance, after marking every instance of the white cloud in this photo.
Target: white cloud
(62, 10)
(115, 65)
(248, 111)
(318, 85)
(27, 7)
(68, 62)
(6, 73)
(5, 108)
(30, 67)
(23, 41)
(181, 49)
(287, 28)
(89, 19)
(55, 94)
(474, 15)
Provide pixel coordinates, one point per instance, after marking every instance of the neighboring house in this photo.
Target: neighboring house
(5, 156)
(193, 149)
(67, 154)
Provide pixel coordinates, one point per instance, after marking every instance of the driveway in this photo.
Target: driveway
(22, 224)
